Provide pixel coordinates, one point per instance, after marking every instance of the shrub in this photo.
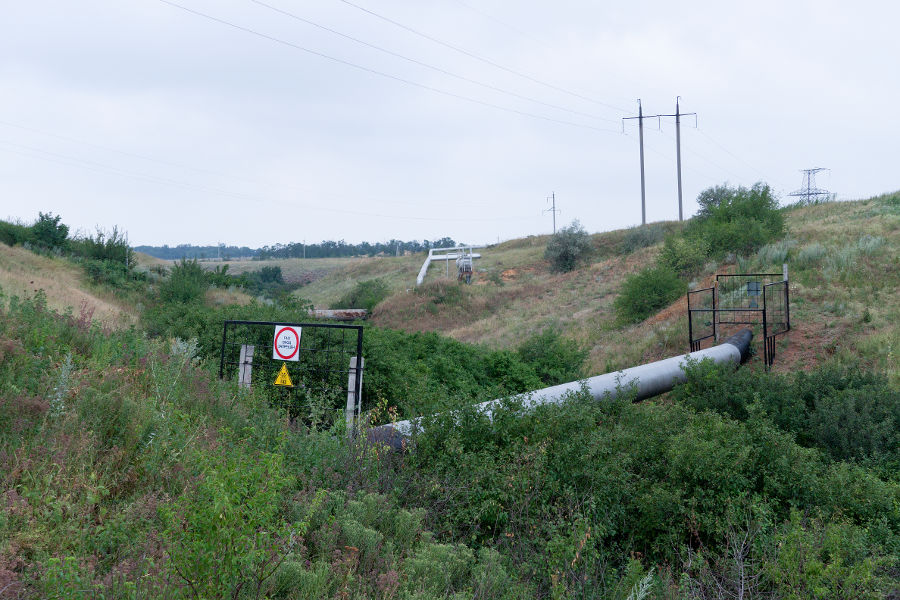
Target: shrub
(568, 247)
(849, 413)
(48, 232)
(13, 233)
(104, 247)
(775, 253)
(365, 294)
(643, 236)
(810, 254)
(646, 292)
(737, 220)
(572, 489)
(685, 256)
(869, 244)
(554, 358)
(187, 283)
(226, 533)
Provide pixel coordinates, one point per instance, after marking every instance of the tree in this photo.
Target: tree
(568, 247)
(49, 232)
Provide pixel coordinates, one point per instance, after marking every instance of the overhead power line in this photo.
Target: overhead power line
(512, 28)
(106, 169)
(381, 73)
(481, 58)
(427, 65)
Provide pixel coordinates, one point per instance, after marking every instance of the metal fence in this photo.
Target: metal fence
(325, 370)
(741, 299)
(701, 316)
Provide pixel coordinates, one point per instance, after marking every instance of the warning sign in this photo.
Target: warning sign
(286, 345)
(283, 377)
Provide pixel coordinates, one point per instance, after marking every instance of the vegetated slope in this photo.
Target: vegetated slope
(131, 471)
(845, 276)
(842, 258)
(24, 273)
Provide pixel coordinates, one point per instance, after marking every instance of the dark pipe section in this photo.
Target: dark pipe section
(388, 436)
(741, 341)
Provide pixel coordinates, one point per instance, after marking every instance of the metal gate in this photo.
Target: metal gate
(326, 369)
(741, 299)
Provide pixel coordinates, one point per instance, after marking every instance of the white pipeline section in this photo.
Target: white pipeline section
(449, 256)
(646, 380)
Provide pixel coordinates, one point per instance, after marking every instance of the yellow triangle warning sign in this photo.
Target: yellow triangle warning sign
(283, 377)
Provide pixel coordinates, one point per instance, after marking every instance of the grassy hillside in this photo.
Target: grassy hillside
(65, 286)
(841, 256)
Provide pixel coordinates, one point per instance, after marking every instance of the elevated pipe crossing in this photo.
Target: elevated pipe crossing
(432, 256)
(647, 380)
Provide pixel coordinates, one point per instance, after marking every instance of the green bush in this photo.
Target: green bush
(554, 358)
(365, 294)
(225, 534)
(48, 232)
(738, 220)
(685, 256)
(104, 247)
(572, 490)
(646, 292)
(849, 413)
(14, 233)
(187, 283)
(568, 247)
(422, 372)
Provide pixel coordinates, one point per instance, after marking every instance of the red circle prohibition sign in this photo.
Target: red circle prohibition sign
(296, 344)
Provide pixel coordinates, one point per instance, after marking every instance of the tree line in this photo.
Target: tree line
(323, 249)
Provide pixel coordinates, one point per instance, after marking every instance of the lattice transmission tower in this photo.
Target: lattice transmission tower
(809, 191)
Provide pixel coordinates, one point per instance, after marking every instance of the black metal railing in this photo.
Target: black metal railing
(740, 299)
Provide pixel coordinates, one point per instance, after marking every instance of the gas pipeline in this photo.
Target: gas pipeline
(645, 381)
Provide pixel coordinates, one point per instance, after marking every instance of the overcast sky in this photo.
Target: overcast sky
(252, 124)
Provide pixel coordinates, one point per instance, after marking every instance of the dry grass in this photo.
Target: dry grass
(222, 297)
(23, 273)
(145, 260)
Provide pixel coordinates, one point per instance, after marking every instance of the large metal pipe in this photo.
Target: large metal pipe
(646, 381)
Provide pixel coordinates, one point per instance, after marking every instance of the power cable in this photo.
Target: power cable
(733, 155)
(512, 28)
(232, 176)
(102, 168)
(428, 66)
(481, 58)
(381, 73)
(701, 156)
